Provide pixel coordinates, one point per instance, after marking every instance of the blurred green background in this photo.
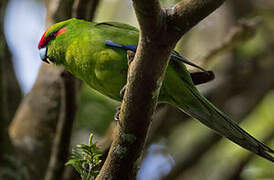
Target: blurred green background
(243, 88)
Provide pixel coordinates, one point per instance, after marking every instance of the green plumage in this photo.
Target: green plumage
(83, 52)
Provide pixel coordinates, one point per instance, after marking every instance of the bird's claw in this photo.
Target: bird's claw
(117, 114)
(130, 57)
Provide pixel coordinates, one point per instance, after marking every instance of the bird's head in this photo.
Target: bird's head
(52, 41)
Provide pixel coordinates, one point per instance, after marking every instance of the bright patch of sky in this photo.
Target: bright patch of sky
(156, 164)
(24, 25)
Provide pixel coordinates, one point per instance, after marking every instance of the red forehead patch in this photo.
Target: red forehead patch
(44, 41)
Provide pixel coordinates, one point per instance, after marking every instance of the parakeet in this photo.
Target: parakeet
(96, 53)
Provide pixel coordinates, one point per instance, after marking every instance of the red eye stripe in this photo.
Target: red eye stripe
(61, 31)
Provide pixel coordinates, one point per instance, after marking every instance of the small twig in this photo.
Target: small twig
(242, 32)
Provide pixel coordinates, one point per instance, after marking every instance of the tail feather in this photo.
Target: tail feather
(221, 123)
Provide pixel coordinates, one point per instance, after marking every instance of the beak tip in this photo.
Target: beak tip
(43, 54)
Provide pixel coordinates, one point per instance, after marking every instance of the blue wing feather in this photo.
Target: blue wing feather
(174, 55)
(125, 47)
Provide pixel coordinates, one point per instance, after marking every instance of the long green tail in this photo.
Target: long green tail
(215, 119)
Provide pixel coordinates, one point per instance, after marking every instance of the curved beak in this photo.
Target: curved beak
(43, 54)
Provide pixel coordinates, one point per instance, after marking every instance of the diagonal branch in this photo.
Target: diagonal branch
(187, 13)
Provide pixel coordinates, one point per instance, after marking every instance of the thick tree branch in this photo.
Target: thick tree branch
(150, 16)
(147, 70)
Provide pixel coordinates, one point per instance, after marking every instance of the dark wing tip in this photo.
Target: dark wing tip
(262, 151)
(202, 77)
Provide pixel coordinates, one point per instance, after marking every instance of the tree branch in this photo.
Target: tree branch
(150, 16)
(147, 70)
(187, 13)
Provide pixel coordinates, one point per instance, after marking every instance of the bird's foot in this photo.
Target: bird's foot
(130, 56)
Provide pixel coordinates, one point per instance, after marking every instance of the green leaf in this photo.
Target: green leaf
(86, 159)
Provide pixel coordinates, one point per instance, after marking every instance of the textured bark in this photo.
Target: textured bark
(147, 70)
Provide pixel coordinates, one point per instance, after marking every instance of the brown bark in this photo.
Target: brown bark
(147, 70)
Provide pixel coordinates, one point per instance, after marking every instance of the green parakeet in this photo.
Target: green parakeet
(96, 53)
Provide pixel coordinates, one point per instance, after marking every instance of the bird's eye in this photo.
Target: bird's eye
(52, 35)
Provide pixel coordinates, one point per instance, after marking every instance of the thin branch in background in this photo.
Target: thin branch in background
(242, 32)
(139, 103)
(61, 144)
